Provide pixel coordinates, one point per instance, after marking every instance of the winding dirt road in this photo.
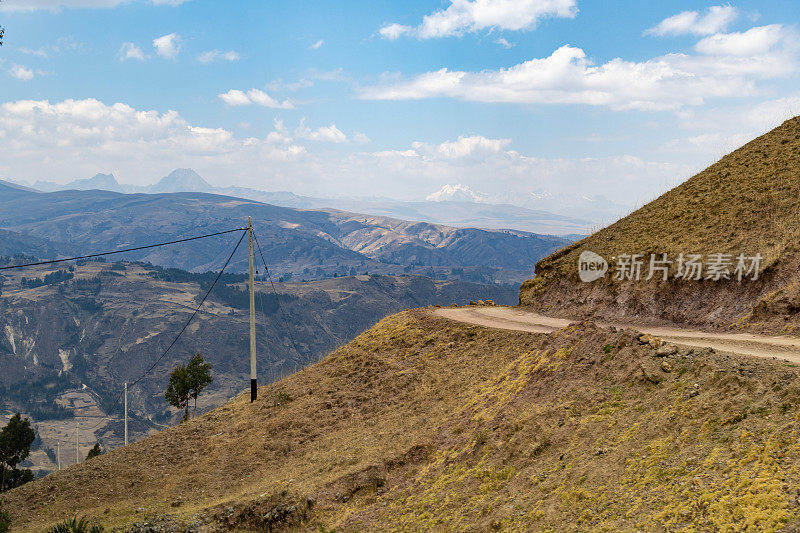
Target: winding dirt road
(768, 346)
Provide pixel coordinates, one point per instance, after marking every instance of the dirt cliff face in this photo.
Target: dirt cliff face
(747, 203)
(422, 424)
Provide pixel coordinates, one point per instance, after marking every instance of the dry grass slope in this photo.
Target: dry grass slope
(424, 424)
(747, 202)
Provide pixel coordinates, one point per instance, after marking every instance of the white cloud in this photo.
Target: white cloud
(361, 138)
(40, 52)
(21, 72)
(729, 65)
(167, 46)
(330, 133)
(75, 137)
(317, 45)
(465, 16)
(716, 19)
(463, 147)
(57, 141)
(235, 97)
(55, 5)
(130, 51)
(754, 41)
(394, 31)
(504, 43)
(216, 55)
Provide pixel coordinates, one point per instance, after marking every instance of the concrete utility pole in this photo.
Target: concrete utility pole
(126, 413)
(253, 376)
(77, 455)
(58, 455)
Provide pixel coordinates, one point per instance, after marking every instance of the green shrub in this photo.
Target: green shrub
(282, 397)
(75, 525)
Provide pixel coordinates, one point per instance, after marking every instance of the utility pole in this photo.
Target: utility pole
(58, 455)
(77, 455)
(126, 413)
(253, 376)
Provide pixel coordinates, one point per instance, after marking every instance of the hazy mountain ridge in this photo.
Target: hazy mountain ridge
(453, 205)
(307, 244)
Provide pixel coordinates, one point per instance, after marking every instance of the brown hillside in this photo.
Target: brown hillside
(748, 202)
(424, 424)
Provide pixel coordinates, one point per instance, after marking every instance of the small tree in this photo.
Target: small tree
(178, 390)
(15, 445)
(199, 377)
(186, 382)
(95, 451)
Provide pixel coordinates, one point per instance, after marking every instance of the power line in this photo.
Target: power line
(278, 301)
(51, 261)
(186, 325)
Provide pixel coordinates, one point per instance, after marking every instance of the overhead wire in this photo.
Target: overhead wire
(183, 329)
(125, 250)
(278, 301)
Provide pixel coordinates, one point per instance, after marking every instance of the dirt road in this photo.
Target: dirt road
(781, 347)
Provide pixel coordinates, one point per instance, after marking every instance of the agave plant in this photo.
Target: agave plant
(75, 525)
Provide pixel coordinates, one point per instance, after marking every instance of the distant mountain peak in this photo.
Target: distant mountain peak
(455, 193)
(182, 180)
(100, 181)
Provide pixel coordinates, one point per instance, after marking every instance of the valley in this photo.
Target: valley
(103, 324)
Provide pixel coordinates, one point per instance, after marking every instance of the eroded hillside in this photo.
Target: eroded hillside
(747, 203)
(425, 424)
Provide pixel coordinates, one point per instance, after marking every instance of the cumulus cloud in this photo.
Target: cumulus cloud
(215, 55)
(235, 97)
(75, 137)
(21, 72)
(727, 65)
(55, 5)
(130, 51)
(466, 16)
(324, 133)
(714, 20)
(57, 141)
(755, 41)
(477, 163)
(167, 46)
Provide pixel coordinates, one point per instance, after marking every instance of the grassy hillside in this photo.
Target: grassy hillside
(70, 338)
(424, 424)
(748, 202)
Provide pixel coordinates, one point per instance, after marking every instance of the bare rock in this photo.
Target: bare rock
(666, 350)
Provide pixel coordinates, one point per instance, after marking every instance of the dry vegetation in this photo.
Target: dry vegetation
(424, 424)
(748, 202)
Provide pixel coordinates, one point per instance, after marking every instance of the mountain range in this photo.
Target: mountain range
(453, 205)
(301, 244)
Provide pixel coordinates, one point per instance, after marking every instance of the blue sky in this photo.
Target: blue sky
(395, 99)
